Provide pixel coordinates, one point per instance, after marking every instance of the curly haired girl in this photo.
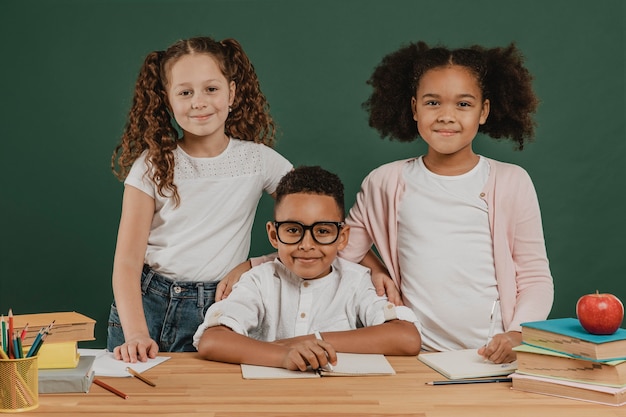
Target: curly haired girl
(195, 157)
(460, 235)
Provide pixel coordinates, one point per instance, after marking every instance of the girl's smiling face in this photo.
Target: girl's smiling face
(449, 107)
(199, 95)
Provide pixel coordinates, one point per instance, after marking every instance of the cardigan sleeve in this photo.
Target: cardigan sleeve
(374, 217)
(360, 240)
(520, 250)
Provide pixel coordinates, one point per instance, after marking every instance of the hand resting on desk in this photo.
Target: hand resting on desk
(137, 349)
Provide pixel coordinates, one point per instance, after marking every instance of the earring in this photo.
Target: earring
(230, 109)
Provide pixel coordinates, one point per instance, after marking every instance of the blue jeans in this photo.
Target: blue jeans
(173, 311)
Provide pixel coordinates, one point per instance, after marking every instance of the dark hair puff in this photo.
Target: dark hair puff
(500, 74)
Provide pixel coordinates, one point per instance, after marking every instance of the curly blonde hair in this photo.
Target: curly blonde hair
(150, 128)
(500, 73)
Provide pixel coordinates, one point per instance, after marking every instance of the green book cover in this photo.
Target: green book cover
(60, 380)
(571, 327)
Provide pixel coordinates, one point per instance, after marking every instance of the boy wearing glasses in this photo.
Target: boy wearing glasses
(308, 304)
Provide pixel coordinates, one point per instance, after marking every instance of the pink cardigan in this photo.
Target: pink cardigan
(522, 272)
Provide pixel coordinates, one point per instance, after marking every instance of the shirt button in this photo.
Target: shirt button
(306, 284)
(177, 290)
(482, 194)
(302, 315)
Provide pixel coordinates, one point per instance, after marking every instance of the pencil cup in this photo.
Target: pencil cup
(19, 390)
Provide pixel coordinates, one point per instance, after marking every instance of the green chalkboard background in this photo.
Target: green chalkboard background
(69, 66)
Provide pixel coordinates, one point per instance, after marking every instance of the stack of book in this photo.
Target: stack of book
(61, 368)
(558, 357)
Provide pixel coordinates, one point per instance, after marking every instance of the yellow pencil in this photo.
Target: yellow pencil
(140, 377)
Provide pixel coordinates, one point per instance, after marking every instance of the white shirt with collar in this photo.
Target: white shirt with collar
(271, 303)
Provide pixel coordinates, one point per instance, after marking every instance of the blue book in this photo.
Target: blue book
(566, 335)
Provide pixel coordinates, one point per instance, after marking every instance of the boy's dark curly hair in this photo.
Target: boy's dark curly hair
(149, 126)
(312, 180)
(501, 75)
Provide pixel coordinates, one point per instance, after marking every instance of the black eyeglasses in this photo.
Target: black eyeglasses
(324, 233)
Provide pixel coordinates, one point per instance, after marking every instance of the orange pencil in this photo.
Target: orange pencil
(110, 388)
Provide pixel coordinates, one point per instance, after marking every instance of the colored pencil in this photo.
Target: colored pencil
(24, 331)
(110, 388)
(5, 346)
(10, 334)
(140, 377)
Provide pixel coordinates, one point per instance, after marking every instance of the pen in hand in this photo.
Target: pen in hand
(492, 321)
(328, 366)
(492, 324)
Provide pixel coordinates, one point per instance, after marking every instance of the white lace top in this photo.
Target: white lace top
(209, 233)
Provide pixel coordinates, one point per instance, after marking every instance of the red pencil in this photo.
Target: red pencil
(110, 388)
(24, 331)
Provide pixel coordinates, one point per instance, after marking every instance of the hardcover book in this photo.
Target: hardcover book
(544, 362)
(69, 326)
(566, 335)
(58, 355)
(569, 389)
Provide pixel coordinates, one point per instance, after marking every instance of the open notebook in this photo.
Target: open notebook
(462, 364)
(348, 364)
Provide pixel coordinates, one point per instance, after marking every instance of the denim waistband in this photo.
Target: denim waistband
(183, 289)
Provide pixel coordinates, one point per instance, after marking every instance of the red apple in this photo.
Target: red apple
(600, 313)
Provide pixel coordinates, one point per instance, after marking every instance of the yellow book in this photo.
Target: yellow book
(57, 355)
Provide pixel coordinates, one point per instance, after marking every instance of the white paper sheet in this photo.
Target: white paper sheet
(106, 364)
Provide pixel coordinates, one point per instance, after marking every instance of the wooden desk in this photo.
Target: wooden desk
(187, 386)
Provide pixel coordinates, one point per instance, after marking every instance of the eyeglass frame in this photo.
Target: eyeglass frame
(339, 225)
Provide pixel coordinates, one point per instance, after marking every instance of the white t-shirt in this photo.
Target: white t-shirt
(446, 256)
(208, 234)
(270, 303)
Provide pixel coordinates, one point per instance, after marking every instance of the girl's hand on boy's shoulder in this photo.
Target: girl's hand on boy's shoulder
(385, 286)
(225, 286)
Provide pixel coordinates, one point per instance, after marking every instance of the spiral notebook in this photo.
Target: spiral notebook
(466, 363)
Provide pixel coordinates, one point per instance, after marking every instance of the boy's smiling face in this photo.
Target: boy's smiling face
(307, 258)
